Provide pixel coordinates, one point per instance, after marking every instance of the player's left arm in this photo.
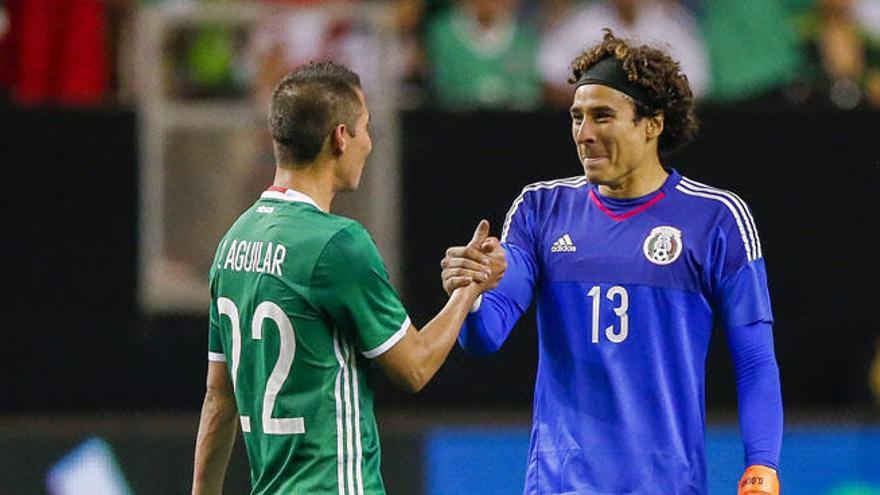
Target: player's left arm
(218, 426)
(743, 300)
(760, 405)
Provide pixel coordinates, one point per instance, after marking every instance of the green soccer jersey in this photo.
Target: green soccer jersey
(472, 70)
(296, 295)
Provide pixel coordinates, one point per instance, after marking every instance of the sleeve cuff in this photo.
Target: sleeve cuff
(477, 302)
(388, 344)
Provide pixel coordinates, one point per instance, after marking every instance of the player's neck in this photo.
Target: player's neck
(313, 181)
(640, 182)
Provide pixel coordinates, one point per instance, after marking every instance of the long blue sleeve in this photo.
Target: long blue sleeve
(758, 392)
(486, 329)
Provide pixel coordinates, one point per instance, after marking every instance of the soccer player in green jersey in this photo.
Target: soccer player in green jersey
(300, 301)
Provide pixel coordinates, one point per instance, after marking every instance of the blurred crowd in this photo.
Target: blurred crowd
(459, 54)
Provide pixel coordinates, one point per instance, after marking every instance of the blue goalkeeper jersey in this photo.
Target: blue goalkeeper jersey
(627, 291)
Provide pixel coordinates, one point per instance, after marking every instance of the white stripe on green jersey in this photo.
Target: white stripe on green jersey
(319, 292)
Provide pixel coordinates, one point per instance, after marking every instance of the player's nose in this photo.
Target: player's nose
(585, 133)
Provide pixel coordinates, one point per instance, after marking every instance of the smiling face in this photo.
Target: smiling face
(614, 147)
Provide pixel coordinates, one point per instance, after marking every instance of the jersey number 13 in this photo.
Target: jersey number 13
(618, 296)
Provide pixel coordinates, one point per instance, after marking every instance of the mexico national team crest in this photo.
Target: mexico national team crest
(663, 245)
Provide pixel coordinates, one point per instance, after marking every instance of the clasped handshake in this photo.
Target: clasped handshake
(479, 265)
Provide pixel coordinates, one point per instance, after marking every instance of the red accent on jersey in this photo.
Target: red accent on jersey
(622, 216)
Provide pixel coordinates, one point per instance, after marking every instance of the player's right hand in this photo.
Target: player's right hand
(759, 480)
(481, 261)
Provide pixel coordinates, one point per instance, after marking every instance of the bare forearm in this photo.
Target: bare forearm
(437, 338)
(413, 361)
(217, 429)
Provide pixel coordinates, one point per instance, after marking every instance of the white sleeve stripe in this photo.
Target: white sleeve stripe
(509, 216)
(748, 244)
(340, 430)
(218, 357)
(742, 230)
(741, 206)
(358, 446)
(573, 182)
(388, 344)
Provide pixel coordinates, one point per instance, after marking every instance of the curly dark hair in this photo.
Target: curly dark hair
(661, 79)
(307, 105)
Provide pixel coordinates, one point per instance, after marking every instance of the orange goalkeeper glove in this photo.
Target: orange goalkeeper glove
(759, 480)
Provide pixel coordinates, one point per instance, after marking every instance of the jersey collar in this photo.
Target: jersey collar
(621, 209)
(286, 194)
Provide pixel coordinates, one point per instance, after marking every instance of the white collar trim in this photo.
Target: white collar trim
(290, 195)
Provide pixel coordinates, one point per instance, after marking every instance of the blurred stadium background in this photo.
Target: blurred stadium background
(131, 135)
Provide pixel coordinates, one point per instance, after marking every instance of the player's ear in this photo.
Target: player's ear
(338, 139)
(654, 126)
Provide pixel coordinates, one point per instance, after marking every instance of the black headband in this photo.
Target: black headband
(609, 72)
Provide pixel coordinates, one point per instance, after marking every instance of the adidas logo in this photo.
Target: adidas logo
(563, 245)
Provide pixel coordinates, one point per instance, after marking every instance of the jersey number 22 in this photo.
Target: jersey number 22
(265, 310)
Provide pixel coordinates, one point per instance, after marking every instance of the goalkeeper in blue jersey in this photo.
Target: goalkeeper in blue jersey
(629, 263)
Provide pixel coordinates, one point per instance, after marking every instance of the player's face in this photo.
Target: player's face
(610, 143)
(356, 152)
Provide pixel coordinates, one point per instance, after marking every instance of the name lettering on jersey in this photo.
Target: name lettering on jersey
(563, 245)
(255, 257)
(663, 245)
